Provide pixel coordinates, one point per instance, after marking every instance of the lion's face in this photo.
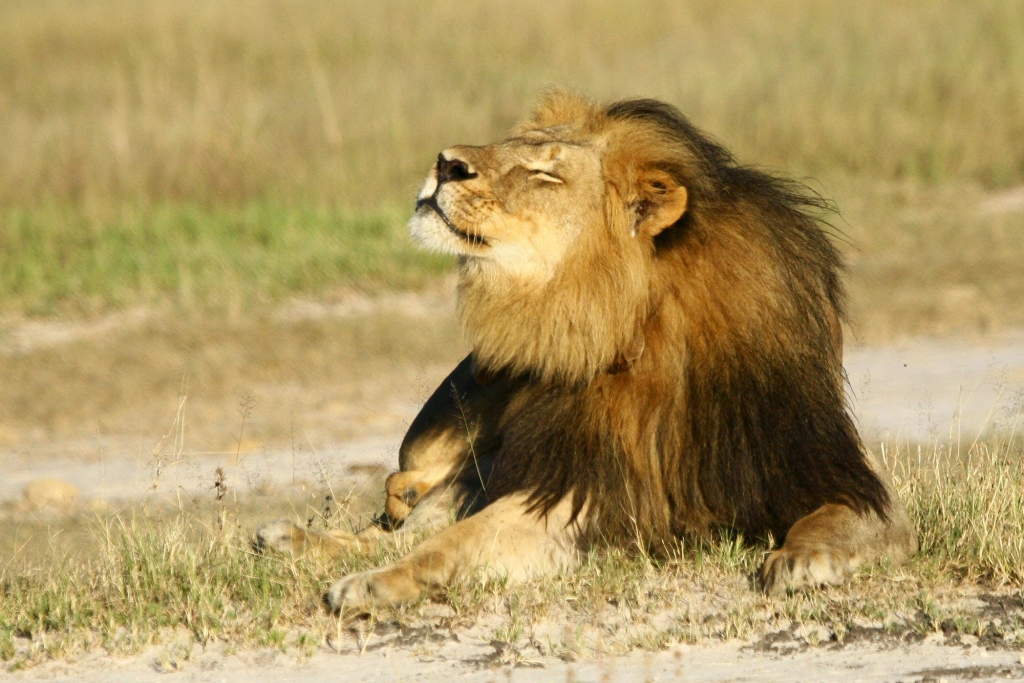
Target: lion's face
(516, 206)
(555, 228)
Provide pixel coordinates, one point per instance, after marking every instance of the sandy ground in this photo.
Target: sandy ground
(916, 392)
(922, 390)
(121, 475)
(466, 660)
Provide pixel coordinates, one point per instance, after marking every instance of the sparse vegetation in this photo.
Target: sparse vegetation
(190, 576)
(969, 509)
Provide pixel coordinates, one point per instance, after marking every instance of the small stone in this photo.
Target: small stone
(51, 495)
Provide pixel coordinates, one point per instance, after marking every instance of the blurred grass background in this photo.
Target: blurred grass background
(198, 151)
(347, 102)
(204, 163)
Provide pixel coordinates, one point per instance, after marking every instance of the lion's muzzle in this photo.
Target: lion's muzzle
(447, 171)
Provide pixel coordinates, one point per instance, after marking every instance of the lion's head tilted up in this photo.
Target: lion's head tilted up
(673, 317)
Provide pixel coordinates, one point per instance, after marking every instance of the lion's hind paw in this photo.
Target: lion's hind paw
(280, 535)
(787, 570)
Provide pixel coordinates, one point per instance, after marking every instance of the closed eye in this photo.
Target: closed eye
(545, 176)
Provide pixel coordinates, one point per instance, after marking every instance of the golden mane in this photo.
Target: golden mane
(732, 410)
(590, 314)
(657, 352)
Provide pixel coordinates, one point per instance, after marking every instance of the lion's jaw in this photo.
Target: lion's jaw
(547, 286)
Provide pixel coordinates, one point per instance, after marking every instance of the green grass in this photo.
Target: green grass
(969, 510)
(61, 258)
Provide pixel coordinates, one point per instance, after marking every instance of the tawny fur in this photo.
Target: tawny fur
(734, 413)
(657, 352)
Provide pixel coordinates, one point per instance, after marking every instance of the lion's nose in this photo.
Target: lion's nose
(452, 170)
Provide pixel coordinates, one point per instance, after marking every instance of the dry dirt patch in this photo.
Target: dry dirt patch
(928, 662)
(312, 372)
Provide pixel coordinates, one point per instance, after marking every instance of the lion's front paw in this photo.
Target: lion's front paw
(392, 585)
(791, 569)
(404, 490)
(280, 535)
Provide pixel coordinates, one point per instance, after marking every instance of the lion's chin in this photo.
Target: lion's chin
(428, 230)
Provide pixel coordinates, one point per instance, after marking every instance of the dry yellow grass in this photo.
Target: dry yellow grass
(926, 261)
(182, 576)
(348, 102)
(336, 378)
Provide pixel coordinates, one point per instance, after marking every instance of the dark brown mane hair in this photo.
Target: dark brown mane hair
(734, 415)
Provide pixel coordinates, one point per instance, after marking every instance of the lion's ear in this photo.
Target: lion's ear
(662, 203)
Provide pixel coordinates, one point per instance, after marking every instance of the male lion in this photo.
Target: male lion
(657, 352)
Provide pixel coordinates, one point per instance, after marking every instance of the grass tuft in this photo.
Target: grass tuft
(969, 509)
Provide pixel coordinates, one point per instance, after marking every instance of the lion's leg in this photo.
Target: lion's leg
(452, 434)
(286, 537)
(438, 509)
(503, 539)
(830, 544)
(452, 431)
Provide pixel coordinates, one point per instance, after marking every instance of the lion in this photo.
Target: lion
(656, 338)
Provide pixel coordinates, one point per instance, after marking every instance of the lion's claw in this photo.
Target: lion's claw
(788, 570)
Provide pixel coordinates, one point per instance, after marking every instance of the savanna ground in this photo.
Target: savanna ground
(210, 315)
